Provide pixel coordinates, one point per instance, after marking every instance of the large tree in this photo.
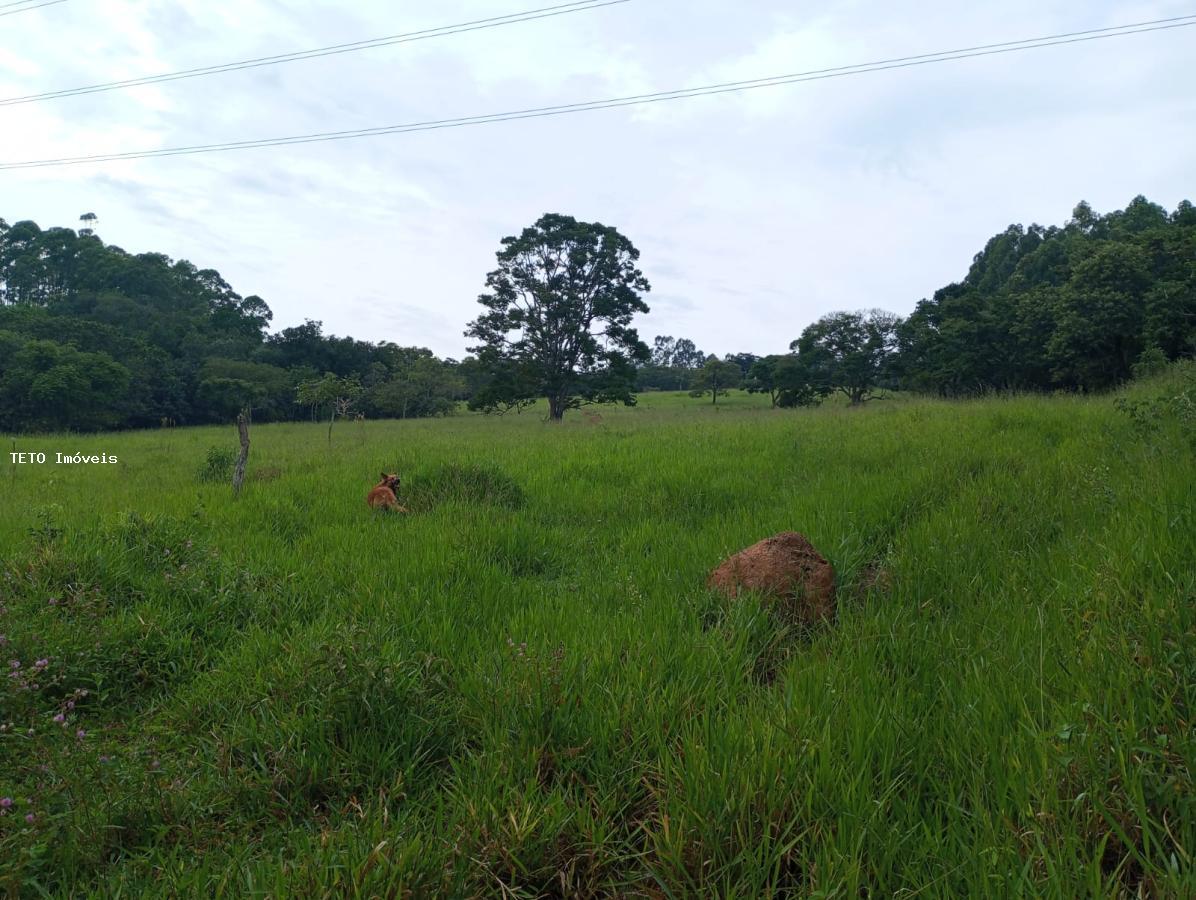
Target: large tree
(849, 352)
(558, 317)
(785, 379)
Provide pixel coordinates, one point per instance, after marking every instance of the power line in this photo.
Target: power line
(13, 12)
(16, 3)
(637, 99)
(257, 62)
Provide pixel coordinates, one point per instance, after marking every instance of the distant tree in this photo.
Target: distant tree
(558, 319)
(46, 385)
(848, 352)
(795, 386)
(745, 361)
(228, 386)
(1099, 318)
(715, 378)
(686, 355)
(336, 395)
(423, 386)
(663, 346)
(673, 363)
(762, 378)
(784, 378)
(223, 398)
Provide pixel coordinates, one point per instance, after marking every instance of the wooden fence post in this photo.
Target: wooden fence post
(239, 471)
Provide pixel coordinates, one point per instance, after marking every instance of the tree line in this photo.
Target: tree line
(1078, 307)
(93, 337)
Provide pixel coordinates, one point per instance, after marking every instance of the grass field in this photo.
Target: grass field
(523, 688)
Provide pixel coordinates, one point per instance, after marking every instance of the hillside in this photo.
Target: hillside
(524, 685)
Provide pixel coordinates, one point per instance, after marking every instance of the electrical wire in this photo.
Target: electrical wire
(531, 15)
(633, 100)
(16, 3)
(13, 12)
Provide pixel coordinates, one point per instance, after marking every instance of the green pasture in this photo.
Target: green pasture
(523, 688)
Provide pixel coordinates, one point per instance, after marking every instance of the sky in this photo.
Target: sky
(755, 213)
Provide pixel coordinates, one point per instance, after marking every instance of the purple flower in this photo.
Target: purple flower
(29, 817)
(53, 601)
(80, 734)
(5, 802)
(105, 759)
(60, 719)
(14, 664)
(41, 663)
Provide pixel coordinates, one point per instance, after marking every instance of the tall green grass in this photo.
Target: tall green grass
(524, 689)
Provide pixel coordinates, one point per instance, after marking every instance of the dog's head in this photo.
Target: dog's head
(390, 481)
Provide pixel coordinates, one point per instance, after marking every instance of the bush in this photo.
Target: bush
(1175, 405)
(1152, 361)
(218, 464)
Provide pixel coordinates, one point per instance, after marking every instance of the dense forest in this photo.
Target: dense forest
(1070, 308)
(93, 337)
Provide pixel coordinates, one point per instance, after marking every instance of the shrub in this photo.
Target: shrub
(218, 464)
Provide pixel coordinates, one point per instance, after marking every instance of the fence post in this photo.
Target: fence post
(239, 471)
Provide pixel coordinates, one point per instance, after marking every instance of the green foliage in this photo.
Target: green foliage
(672, 365)
(786, 379)
(715, 378)
(676, 353)
(326, 393)
(1152, 361)
(849, 352)
(1049, 308)
(422, 386)
(567, 292)
(49, 386)
(1174, 407)
(218, 464)
(188, 347)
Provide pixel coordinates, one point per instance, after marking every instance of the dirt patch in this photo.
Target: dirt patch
(787, 568)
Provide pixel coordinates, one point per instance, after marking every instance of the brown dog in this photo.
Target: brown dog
(383, 494)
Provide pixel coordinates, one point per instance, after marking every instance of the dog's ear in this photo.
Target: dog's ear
(383, 476)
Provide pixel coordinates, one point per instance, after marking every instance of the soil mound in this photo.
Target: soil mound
(787, 568)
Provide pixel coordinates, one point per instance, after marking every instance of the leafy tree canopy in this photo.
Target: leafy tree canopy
(848, 352)
(558, 317)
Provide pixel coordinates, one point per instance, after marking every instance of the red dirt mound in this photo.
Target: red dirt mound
(786, 567)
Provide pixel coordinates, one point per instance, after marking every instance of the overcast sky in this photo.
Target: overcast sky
(755, 213)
